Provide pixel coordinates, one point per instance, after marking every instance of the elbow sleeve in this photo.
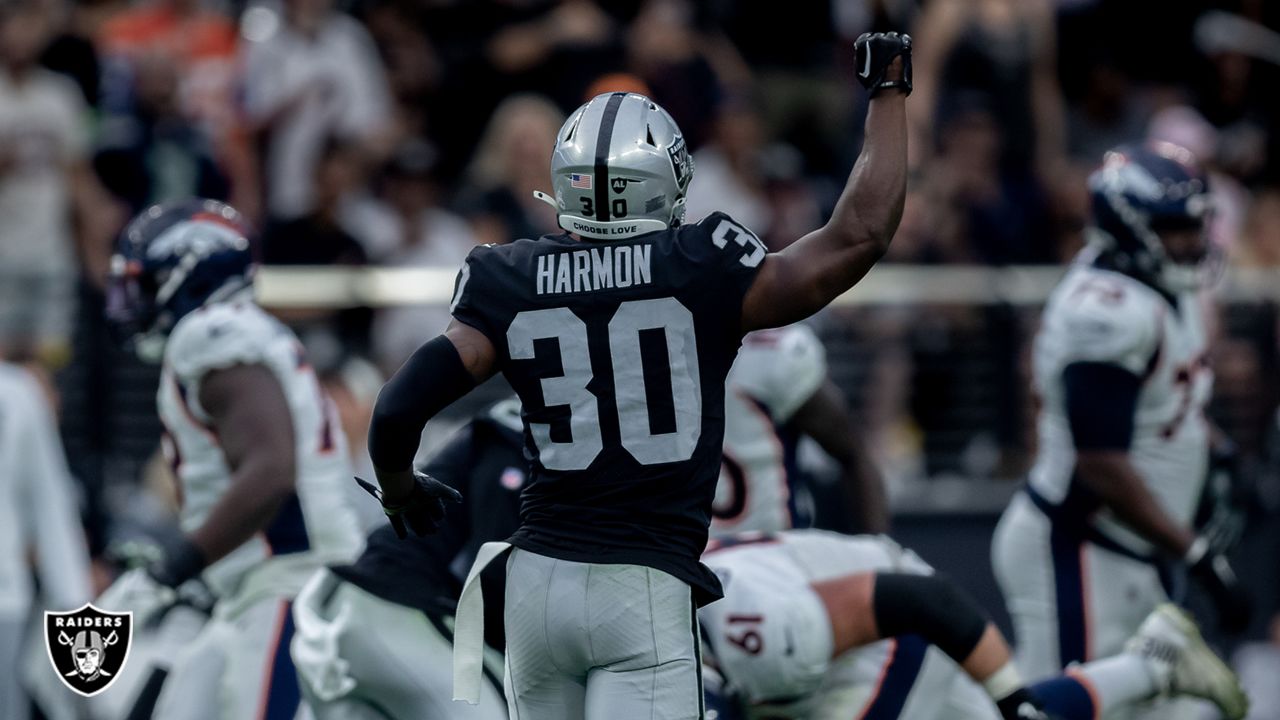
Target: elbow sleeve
(1100, 402)
(428, 382)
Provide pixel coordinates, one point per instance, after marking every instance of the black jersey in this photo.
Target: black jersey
(485, 462)
(618, 351)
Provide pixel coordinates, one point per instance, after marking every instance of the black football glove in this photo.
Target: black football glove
(872, 55)
(175, 561)
(1213, 572)
(423, 511)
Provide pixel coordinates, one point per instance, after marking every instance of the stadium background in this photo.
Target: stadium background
(375, 141)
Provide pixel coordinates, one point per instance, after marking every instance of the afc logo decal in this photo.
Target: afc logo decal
(619, 184)
(88, 647)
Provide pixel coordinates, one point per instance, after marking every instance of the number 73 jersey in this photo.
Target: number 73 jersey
(619, 352)
(1097, 315)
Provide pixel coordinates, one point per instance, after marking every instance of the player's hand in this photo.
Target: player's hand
(178, 562)
(421, 511)
(1214, 573)
(168, 561)
(876, 61)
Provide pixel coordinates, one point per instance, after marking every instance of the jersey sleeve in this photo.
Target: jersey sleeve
(1120, 330)
(781, 369)
(473, 301)
(731, 252)
(218, 337)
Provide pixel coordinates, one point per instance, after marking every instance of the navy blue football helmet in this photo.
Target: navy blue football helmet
(171, 259)
(1142, 191)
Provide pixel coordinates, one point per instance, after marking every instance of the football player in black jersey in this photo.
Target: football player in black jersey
(617, 335)
(373, 638)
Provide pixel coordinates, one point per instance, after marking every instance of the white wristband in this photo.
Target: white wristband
(1003, 682)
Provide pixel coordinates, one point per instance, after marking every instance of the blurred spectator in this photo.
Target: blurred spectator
(512, 161)
(46, 191)
(1182, 125)
(153, 153)
(37, 513)
(1003, 51)
(1108, 111)
(318, 238)
(681, 66)
(71, 52)
(414, 68)
(310, 72)
(409, 227)
(998, 215)
(202, 48)
(497, 48)
(1260, 240)
(793, 204)
(555, 47)
(727, 173)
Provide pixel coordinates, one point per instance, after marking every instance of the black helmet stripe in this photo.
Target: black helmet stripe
(603, 141)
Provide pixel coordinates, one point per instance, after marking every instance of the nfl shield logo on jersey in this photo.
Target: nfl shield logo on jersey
(88, 647)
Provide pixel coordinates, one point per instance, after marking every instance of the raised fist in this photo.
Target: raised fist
(873, 55)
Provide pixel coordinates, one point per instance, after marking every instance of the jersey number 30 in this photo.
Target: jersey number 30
(667, 315)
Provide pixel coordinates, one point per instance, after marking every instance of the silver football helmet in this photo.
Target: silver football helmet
(620, 168)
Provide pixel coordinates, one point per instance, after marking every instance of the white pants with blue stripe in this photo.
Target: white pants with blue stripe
(237, 668)
(599, 642)
(1071, 600)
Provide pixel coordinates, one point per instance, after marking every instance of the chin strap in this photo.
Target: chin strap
(546, 198)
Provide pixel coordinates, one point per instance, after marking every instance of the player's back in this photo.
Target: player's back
(315, 524)
(619, 352)
(1101, 316)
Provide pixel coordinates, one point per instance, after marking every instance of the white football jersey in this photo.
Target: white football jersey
(1097, 315)
(775, 373)
(770, 635)
(316, 525)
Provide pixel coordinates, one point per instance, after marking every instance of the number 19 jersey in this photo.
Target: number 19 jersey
(619, 352)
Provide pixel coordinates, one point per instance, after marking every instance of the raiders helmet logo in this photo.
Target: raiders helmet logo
(88, 647)
(679, 154)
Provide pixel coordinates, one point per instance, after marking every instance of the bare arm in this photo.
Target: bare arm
(813, 271)
(251, 417)
(825, 418)
(1110, 475)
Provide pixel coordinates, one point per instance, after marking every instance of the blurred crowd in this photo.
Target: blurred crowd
(404, 132)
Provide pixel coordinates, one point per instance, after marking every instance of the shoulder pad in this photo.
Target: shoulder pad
(1107, 318)
(219, 336)
(780, 368)
(732, 238)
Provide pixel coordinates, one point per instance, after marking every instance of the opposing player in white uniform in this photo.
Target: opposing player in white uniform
(1121, 373)
(260, 459)
(799, 634)
(777, 391)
